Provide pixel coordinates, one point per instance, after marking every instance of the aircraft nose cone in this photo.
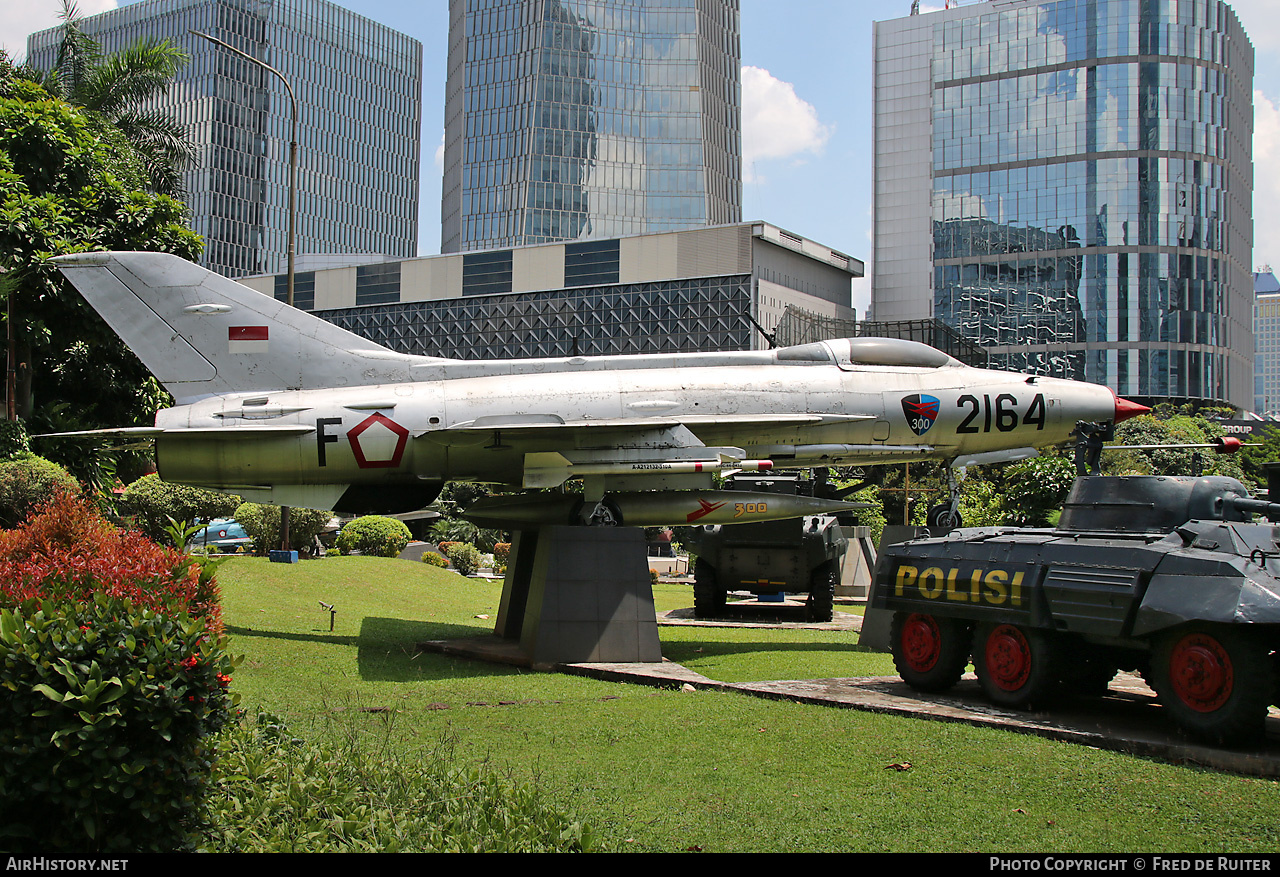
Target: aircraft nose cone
(1126, 409)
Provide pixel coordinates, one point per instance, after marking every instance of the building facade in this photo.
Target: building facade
(359, 90)
(673, 292)
(589, 119)
(1266, 338)
(1069, 183)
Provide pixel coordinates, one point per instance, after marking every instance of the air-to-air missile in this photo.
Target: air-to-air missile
(280, 406)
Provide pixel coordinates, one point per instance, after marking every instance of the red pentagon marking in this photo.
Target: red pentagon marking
(381, 426)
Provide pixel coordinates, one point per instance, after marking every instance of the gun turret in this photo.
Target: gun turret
(1157, 504)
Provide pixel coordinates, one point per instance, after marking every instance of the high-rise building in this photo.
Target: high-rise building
(1069, 183)
(359, 90)
(1266, 335)
(589, 119)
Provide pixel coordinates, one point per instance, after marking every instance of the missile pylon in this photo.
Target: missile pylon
(650, 508)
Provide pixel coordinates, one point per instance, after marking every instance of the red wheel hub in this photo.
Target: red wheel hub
(1201, 673)
(1008, 657)
(921, 642)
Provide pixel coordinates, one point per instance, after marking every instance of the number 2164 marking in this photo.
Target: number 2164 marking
(1003, 414)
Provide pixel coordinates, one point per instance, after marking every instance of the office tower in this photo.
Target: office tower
(1266, 333)
(588, 119)
(359, 90)
(1069, 183)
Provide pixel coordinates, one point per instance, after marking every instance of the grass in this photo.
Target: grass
(658, 770)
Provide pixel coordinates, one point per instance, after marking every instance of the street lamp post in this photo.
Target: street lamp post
(293, 196)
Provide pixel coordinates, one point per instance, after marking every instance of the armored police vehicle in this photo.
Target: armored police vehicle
(1168, 576)
(795, 555)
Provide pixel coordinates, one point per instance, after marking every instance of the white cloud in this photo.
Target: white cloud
(776, 123)
(1266, 180)
(21, 18)
(439, 158)
(1260, 22)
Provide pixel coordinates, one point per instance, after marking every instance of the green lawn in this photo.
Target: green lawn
(659, 770)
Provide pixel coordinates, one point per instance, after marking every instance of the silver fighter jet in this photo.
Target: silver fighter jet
(280, 406)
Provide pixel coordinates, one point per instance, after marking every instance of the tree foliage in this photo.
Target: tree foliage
(68, 185)
(262, 523)
(153, 502)
(114, 90)
(1169, 428)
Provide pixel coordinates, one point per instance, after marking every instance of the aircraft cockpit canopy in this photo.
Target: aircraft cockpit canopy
(897, 352)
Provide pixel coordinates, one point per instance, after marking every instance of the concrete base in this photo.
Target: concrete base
(579, 595)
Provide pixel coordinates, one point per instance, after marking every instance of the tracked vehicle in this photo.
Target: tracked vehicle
(1168, 576)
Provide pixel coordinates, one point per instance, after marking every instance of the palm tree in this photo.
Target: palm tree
(115, 89)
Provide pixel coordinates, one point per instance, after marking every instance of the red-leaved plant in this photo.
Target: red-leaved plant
(67, 550)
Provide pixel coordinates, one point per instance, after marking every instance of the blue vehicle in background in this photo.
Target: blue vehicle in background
(223, 536)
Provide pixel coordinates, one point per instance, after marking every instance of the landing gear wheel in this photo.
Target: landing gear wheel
(941, 516)
(818, 608)
(1017, 666)
(708, 597)
(605, 514)
(929, 653)
(1216, 682)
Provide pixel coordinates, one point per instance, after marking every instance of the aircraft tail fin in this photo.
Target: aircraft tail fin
(202, 334)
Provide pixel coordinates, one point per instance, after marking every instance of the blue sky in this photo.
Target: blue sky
(807, 109)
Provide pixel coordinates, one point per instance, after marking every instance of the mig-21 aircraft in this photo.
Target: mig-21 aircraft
(280, 406)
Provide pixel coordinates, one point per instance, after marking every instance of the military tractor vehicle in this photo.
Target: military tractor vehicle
(793, 555)
(1168, 576)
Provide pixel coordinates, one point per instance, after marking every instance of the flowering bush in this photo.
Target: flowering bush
(464, 556)
(434, 559)
(106, 725)
(115, 678)
(69, 551)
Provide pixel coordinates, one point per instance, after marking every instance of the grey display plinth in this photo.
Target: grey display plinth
(580, 595)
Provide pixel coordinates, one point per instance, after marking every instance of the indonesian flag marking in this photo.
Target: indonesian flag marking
(247, 339)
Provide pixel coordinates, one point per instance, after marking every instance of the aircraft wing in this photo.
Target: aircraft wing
(543, 424)
(214, 432)
(622, 447)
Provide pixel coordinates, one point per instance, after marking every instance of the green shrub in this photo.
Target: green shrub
(106, 726)
(374, 534)
(434, 559)
(27, 482)
(464, 556)
(262, 523)
(14, 442)
(276, 793)
(153, 502)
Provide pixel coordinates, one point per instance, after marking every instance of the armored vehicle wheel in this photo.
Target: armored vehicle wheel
(942, 516)
(822, 593)
(708, 596)
(1017, 666)
(1216, 682)
(929, 653)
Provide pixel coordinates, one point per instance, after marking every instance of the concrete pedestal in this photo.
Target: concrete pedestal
(580, 595)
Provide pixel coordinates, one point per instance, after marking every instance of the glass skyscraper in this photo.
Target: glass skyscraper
(359, 88)
(585, 119)
(1069, 183)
